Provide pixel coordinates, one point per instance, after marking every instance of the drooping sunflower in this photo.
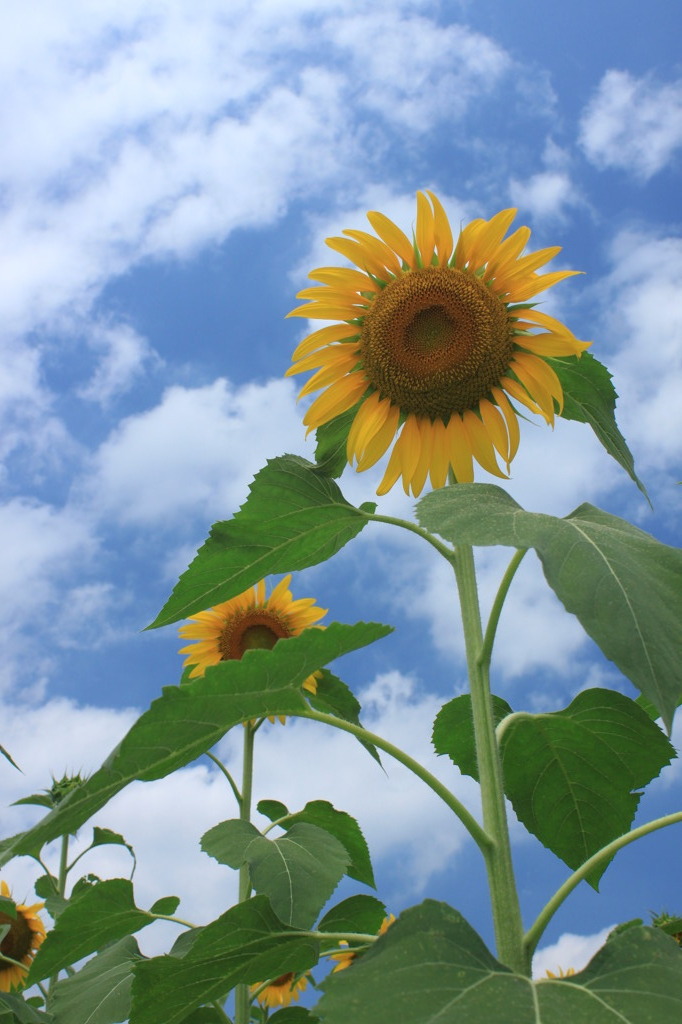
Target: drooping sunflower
(21, 943)
(280, 991)
(346, 958)
(435, 338)
(247, 622)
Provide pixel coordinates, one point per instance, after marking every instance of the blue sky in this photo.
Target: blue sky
(169, 175)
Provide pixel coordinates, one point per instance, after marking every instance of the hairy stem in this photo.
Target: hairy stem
(242, 997)
(489, 638)
(534, 933)
(502, 884)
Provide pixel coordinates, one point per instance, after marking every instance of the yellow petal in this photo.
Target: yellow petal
(324, 357)
(344, 277)
(511, 420)
(425, 231)
(440, 459)
(480, 443)
(459, 450)
(368, 420)
(379, 444)
(530, 392)
(392, 235)
(552, 344)
(379, 251)
(324, 336)
(316, 311)
(420, 472)
(489, 237)
(359, 255)
(336, 399)
(442, 230)
(539, 283)
(329, 374)
(326, 296)
(495, 427)
(542, 372)
(466, 240)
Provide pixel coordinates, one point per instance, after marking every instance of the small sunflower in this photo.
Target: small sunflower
(347, 958)
(21, 943)
(435, 338)
(561, 973)
(247, 622)
(281, 991)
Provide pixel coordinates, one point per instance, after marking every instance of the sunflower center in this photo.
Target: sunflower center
(259, 629)
(435, 341)
(19, 939)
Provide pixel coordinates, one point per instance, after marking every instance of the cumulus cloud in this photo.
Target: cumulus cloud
(634, 124)
(547, 194)
(123, 357)
(568, 951)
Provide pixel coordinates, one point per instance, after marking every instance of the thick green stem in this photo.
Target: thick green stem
(501, 881)
(242, 996)
(534, 933)
(61, 888)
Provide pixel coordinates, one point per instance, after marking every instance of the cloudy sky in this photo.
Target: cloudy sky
(169, 174)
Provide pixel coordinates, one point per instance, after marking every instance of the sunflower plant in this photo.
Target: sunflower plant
(432, 350)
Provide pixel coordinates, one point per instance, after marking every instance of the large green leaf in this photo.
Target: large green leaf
(431, 966)
(105, 913)
(13, 1010)
(570, 775)
(344, 828)
(186, 721)
(294, 1015)
(100, 992)
(590, 397)
(298, 871)
(248, 944)
(623, 585)
(294, 517)
(330, 451)
(453, 731)
(228, 841)
(360, 913)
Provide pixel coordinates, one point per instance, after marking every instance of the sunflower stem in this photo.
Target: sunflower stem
(502, 884)
(61, 889)
(222, 768)
(242, 995)
(496, 610)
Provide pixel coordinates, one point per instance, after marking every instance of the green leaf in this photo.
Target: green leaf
(205, 1015)
(35, 800)
(8, 757)
(167, 906)
(248, 944)
(8, 907)
(293, 518)
(272, 809)
(330, 452)
(590, 397)
(13, 1010)
(105, 837)
(227, 842)
(570, 775)
(188, 720)
(344, 828)
(621, 583)
(298, 871)
(431, 966)
(105, 913)
(293, 1015)
(100, 992)
(453, 731)
(361, 913)
(334, 697)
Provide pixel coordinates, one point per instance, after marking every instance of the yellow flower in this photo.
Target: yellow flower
(434, 339)
(246, 622)
(21, 943)
(561, 973)
(281, 991)
(346, 959)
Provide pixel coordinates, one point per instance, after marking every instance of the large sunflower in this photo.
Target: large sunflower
(434, 339)
(246, 622)
(280, 991)
(21, 943)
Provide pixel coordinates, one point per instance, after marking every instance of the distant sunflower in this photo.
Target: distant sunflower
(346, 958)
(247, 622)
(21, 943)
(281, 991)
(434, 339)
(561, 973)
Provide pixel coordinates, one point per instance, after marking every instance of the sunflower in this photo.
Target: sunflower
(435, 338)
(21, 943)
(560, 973)
(281, 991)
(247, 622)
(347, 957)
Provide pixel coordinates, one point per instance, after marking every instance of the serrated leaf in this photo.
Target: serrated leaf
(361, 913)
(103, 914)
(272, 809)
(570, 775)
(14, 1010)
(186, 721)
(105, 837)
(432, 966)
(345, 829)
(246, 945)
(621, 583)
(227, 842)
(334, 697)
(293, 518)
(330, 451)
(590, 397)
(167, 906)
(298, 871)
(100, 992)
(453, 731)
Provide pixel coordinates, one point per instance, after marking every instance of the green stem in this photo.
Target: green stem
(442, 549)
(175, 920)
(61, 889)
(221, 767)
(216, 1006)
(480, 837)
(489, 638)
(501, 881)
(242, 996)
(534, 933)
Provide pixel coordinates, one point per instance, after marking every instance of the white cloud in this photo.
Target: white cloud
(631, 123)
(195, 452)
(568, 951)
(124, 357)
